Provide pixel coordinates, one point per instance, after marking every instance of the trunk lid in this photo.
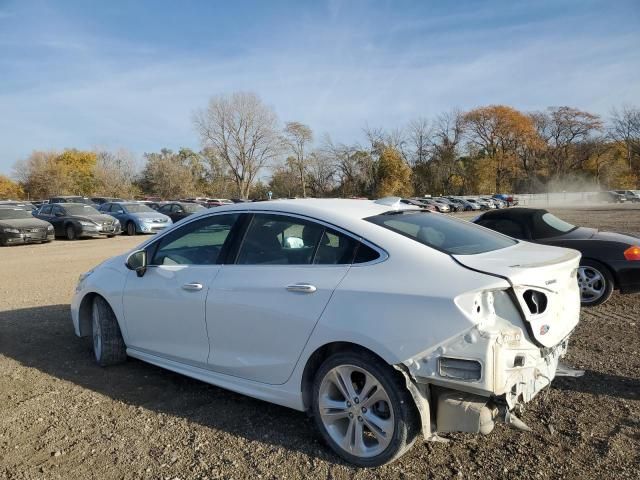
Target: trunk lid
(549, 271)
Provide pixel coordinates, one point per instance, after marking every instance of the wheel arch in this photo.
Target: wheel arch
(318, 357)
(85, 312)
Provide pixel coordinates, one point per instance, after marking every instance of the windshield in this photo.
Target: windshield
(80, 210)
(192, 207)
(557, 224)
(14, 213)
(137, 208)
(452, 236)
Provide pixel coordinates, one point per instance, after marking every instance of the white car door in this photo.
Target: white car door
(164, 309)
(263, 307)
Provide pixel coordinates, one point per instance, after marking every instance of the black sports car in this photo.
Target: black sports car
(17, 226)
(75, 220)
(609, 260)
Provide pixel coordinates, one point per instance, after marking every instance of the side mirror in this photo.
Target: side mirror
(137, 261)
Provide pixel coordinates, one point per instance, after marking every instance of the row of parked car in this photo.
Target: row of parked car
(74, 217)
(448, 204)
(617, 196)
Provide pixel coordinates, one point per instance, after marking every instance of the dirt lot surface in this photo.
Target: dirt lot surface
(61, 416)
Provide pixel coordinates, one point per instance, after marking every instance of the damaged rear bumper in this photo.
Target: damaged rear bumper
(505, 376)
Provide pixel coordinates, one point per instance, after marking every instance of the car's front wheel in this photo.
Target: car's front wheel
(131, 229)
(70, 232)
(363, 409)
(108, 346)
(595, 282)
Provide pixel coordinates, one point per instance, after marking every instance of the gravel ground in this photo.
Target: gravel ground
(61, 416)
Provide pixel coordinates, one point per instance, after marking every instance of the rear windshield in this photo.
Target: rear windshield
(455, 237)
(556, 224)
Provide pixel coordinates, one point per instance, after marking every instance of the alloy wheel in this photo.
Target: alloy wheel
(592, 284)
(356, 411)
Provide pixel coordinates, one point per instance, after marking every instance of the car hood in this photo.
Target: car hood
(23, 223)
(102, 218)
(550, 270)
(150, 216)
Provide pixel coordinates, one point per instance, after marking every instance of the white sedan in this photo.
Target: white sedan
(380, 320)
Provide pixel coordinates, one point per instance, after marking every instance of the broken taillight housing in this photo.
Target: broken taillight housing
(632, 253)
(459, 369)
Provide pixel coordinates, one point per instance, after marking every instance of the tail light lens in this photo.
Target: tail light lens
(632, 253)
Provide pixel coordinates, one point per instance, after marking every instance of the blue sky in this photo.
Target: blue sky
(123, 74)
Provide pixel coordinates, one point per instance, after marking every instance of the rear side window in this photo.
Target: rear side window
(455, 237)
(504, 226)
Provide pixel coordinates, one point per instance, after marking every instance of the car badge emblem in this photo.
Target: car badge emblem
(550, 282)
(544, 329)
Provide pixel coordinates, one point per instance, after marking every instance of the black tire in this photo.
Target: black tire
(405, 414)
(70, 232)
(107, 342)
(607, 283)
(131, 229)
(110, 236)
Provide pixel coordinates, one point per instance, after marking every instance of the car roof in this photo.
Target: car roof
(333, 210)
(71, 204)
(514, 212)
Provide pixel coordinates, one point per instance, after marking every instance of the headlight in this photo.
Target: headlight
(50, 228)
(11, 230)
(116, 223)
(87, 224)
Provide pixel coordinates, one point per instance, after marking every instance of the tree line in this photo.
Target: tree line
(246, 153)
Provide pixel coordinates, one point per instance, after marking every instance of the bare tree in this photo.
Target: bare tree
(243, 131)
(625, 128)
(321, 173)
(115, 173)
(419, 138)
(297, 136)
(562, 129)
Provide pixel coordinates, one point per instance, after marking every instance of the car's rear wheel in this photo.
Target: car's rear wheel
(363, 409)
(131, 229)
(108, 344)
(70, 232)
(595, 282)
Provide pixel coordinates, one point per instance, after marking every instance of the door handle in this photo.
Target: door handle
(192, 287)
(302, 287)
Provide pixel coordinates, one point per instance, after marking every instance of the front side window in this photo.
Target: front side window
(455, 237)
(46, 210)
(197, 243)
(58, 211)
